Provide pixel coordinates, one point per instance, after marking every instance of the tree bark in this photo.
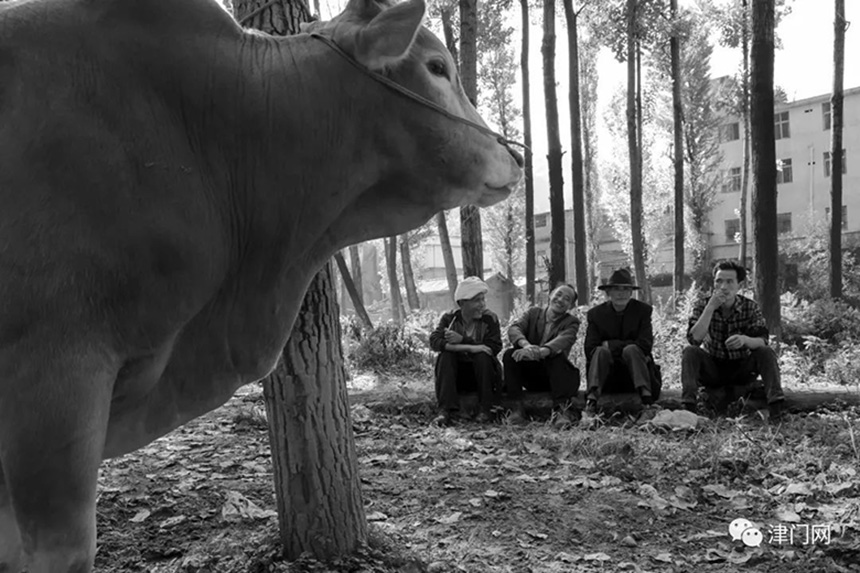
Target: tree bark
(320, 509)
(836, 119)
(576, 160)
(357, 303)
(556, 181)
(634, 139)
(745, 119)
(529, 158)
(355, 262)
(398, 313)
(408, 275)
(447, 253)
(764, 163)
(678, 128)
(472, 247)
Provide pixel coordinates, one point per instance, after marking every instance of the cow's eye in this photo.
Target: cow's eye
(437, 68)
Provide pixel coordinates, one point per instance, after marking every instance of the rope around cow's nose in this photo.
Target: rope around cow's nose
(414, 96)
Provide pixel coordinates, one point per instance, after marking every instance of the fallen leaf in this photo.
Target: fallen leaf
(475, 502)
(140, 516)
(453, 518)
(662, 557)
(721, 490)
(567, 557)
(537, 534)
(596, 557)
(376, 516)
(172, 521)
(787, 515)
(797, 489)
(238, 507)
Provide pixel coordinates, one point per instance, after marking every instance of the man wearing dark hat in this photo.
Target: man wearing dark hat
(618, 343)
(541, 340)
(467, 340)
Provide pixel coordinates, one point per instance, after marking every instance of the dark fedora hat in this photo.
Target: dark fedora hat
(619, 278)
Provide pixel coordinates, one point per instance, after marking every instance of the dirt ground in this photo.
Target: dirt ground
(500, 498)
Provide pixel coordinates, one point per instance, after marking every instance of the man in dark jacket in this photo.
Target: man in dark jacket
(541, 340)
(467, 340)
(618, 343)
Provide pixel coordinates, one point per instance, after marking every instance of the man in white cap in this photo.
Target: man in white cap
(541, 340)
(467, 340)
(618, 342)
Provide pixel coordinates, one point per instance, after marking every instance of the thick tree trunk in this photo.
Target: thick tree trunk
(471, 240)
(678, 128)
(355, 263)
(317, 485)
(529, 171)
(349, 284)
(836, 119)
(634, 139)
(745, 119)
(576, 160)
(398, 313)
(320, 508)
(408, 275)
(764, 163)
(557, 239)
(447, 253)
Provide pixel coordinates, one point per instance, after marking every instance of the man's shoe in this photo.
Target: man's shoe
(591, 406)
(776, 411)
(645, 396)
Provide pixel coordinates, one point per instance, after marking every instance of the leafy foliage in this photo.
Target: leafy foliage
(392, 348)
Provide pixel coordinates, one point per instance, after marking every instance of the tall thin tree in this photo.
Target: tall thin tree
(678, 159)
(472, 245)
(355, 264)
(836, 159)
(576, 157)
(317, 486)
(556, 180)
(529, 158)
(745, 124)
(764, 162)
(398, 313)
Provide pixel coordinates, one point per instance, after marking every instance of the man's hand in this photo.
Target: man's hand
(717, 300)
(737, 341)
(476, 348)
(529, 353)
(452, 337)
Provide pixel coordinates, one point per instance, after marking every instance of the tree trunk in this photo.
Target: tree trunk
(529, 172)
(355, 262)
(745, 118)
(557, 239)
(398, 313)
(576, 160)
(354, 296)
(447, 253)
(320, 509)
(471, 239)
(764, 163)
(678, 127)
(317, 485)
(836, 113)
(408, 275)
(634, 127)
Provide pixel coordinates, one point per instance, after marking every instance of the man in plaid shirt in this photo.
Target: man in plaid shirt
(729, 343)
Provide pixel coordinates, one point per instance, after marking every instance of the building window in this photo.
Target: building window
(733, 229)
(783, 223)
(780, 125)
(827, 163)
(783, 171)
(732, 180)
(825, 112)
(730, 132)
(540, 220)
(844, 216)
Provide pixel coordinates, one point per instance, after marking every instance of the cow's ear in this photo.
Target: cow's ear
(388, 37)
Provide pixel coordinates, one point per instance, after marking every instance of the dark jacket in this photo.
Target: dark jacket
(634, 328)
(488, 331)
(531, 325)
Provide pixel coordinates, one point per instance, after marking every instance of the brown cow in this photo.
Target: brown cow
(169, 184)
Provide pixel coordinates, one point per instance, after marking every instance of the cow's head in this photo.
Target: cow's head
(458, 164)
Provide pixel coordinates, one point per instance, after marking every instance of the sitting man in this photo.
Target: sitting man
(729, 343)
(618, 343)
(542, 339)
(467, 340)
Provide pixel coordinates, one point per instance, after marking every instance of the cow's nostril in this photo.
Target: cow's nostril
(517, 156)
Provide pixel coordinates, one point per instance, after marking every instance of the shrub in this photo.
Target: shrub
(827, 319)
(391, 348)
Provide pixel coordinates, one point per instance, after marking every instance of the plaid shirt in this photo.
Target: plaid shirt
(744, 318)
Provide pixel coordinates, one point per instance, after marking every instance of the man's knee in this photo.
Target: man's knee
(765, 354)
(508, 356)
(632, 352)
(601, 354)
(691, 353)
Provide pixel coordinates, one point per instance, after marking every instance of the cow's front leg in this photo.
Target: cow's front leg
(11, 557)
(53, 414)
